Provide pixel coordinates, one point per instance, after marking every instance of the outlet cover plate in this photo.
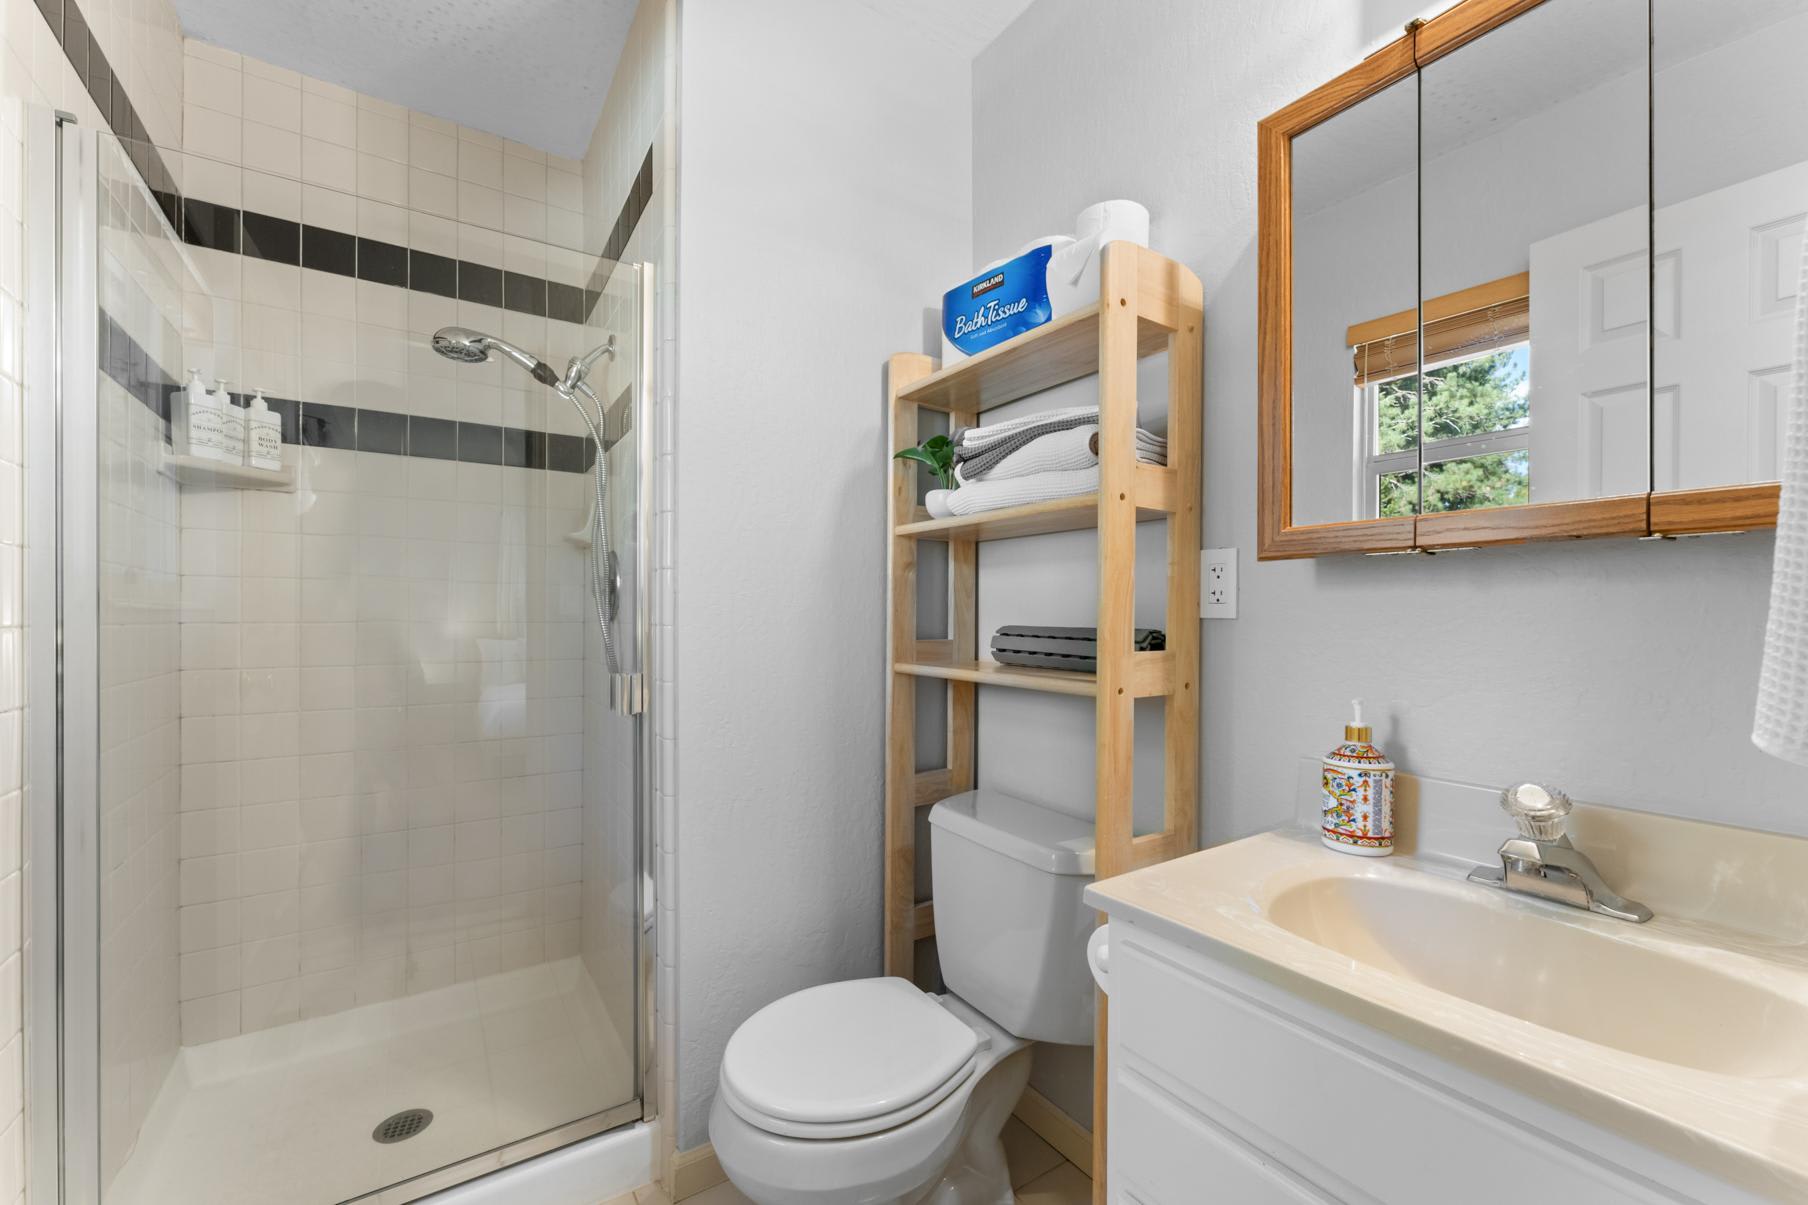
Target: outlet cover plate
(1218, 583)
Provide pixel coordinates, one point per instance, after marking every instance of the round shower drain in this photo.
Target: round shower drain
(405, 1124)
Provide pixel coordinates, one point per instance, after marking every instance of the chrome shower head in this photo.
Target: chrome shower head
(457, 343)
(473, 347)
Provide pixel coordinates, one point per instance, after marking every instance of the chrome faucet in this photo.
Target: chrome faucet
(1541, 862)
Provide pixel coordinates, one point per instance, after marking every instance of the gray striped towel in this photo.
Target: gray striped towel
(977, 461)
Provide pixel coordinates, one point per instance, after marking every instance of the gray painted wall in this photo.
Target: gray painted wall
(826, 203)
(1624, 671)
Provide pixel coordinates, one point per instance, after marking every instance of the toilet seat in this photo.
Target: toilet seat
(847, 1059)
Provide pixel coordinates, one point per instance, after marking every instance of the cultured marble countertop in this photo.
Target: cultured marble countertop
(1749, 1127)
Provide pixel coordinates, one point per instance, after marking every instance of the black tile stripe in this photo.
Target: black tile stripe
(329, 251)
(524, 294)
(479, 283)
(205, 224)
(323, 425)
(134, 370)
(382, 263)
(429, 273)
(223, 228)
(96, 75)
(479, 443)
(326, 426)
(565, 302)
(381, 431)
(436, 438)
(275, 239)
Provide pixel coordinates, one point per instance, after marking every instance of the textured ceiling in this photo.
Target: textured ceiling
(536, 71)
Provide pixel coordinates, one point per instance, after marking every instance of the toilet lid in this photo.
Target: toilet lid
(858, 1051)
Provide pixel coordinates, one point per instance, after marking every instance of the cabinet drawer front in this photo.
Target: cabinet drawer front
(1355, 1127)
(1161, 1154)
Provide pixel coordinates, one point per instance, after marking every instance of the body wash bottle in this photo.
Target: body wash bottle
(232, 427)
(203, 420)
(1358, 793)
(263, 435)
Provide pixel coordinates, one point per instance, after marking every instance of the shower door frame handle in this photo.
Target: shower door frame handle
(62, 812)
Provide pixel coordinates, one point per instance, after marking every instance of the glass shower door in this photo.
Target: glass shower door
(352, 901)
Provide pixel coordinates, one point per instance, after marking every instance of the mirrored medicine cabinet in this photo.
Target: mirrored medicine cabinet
(1465, 336)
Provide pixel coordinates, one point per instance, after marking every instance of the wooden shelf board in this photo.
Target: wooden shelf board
(991, 673)
(1064, 349)
(1079, 513)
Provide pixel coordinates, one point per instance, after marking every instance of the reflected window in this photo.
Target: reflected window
(1457, 436)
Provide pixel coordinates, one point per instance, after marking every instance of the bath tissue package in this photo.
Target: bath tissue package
(1047, 278)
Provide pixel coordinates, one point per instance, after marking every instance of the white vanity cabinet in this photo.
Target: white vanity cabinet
(1225, 1088)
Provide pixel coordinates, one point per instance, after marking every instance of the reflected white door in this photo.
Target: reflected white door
(1590, 418)
(1730, 264)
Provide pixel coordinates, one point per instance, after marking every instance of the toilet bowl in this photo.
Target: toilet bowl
(873, 1092)
(941, 1148)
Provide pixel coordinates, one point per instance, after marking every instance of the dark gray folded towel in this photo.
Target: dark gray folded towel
(1062, 648)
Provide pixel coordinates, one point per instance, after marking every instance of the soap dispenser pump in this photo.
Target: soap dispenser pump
(201, 420)
(1358, 793)
(232, 426)
(263, 435)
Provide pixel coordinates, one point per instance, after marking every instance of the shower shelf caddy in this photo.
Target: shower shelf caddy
(1147, 304)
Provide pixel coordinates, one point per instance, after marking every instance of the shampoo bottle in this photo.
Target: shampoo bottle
(203, 420)
(263, 435)
(1358, 794)
(232, 427)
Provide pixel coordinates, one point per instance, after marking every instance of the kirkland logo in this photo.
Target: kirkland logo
(988, 284)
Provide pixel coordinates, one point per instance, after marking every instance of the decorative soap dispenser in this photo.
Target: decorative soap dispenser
(1358, 793)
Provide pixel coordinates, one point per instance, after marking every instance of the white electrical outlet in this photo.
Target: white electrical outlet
(1218, 583)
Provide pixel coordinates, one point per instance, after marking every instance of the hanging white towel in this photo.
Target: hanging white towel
(1781, 727)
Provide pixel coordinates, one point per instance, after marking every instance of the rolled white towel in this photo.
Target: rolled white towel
(1073, 449)
(1060, 450)
(1015, 491)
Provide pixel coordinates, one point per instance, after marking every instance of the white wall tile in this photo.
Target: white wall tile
(211, 133)
(271, 103)
(329, 120)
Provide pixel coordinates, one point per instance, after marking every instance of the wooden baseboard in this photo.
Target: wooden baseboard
(695, 1170)
(1049, 1123)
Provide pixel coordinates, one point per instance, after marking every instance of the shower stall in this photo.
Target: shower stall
(337, 830)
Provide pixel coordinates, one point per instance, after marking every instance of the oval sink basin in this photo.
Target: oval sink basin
(1561, 976)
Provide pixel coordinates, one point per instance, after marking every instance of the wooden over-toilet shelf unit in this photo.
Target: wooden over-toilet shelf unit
(1147, 305)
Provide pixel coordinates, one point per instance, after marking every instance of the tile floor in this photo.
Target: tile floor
(284, 1116)
(1038, 1173)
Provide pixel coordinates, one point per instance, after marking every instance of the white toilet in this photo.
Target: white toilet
(872, 1092)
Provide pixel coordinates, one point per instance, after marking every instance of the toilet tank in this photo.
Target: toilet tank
(1010, 926)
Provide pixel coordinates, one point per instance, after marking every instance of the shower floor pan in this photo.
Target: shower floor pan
(287, 1116)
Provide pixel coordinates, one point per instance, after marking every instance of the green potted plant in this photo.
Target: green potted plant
(936, 452)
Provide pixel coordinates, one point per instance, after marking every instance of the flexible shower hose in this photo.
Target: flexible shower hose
(599, 522)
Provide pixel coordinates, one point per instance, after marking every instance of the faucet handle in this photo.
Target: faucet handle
(1540, 812)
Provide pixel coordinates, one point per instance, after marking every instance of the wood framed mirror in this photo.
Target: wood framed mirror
(1456, 346)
